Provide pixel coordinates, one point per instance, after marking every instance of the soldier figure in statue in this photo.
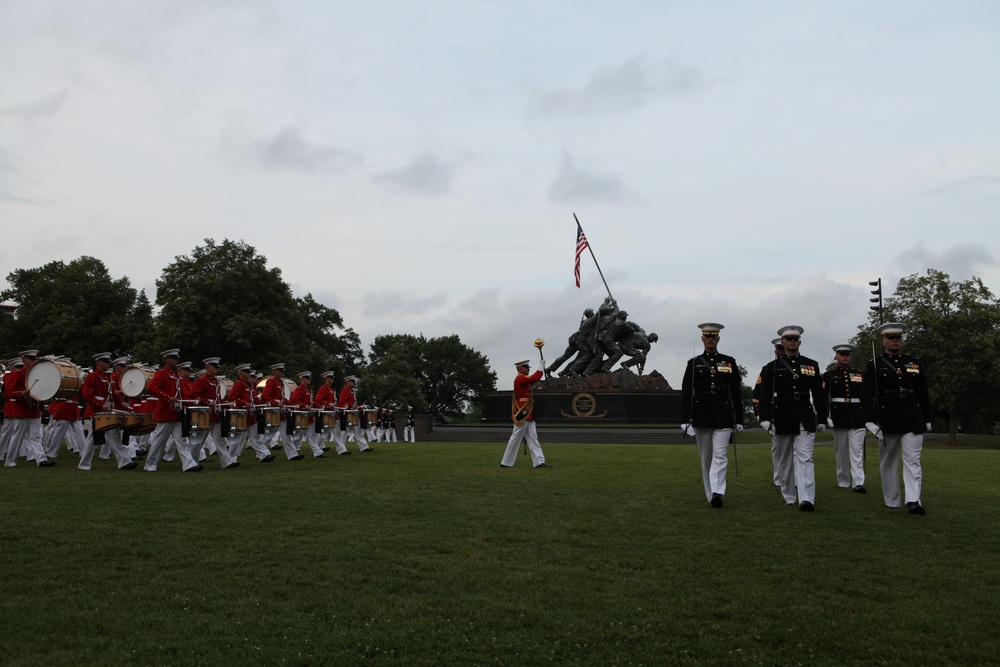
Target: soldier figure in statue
(609, 340)
(591, 329)
(577, 343)
(636, 346)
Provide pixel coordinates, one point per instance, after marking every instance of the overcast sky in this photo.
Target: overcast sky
(416, 165)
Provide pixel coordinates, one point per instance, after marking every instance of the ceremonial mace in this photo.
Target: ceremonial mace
(539, 343)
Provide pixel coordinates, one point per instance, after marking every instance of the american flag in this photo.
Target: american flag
(581, 245)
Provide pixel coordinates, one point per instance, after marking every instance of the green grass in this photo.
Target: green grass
(432, 554)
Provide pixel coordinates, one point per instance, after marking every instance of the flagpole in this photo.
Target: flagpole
(591, 249)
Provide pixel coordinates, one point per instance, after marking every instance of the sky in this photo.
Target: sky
(417, 165)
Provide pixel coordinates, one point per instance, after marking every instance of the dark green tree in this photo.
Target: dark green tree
(452, 376)
(76, 309)
(223, 300)
(954, 327)
(389, 381)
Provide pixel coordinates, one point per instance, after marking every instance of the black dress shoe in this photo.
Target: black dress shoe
(326, 449)
(131, 465)
(543, 465)
(46, 464)
(276, 447)
(370, 449)
(915, 508)
(267, 459)
(716, 500)
(806, 506)
(345, 453)
(320, 456)
(859, 489)
(139, 453)
(197, 468)
(234, 464)
(297, 457)
(503, 466)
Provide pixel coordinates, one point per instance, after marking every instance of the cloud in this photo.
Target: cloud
(621, 89)
(40, 108)
(957, 260)
(288, 150)
(394, 305)
(426, 174)
(967, 185)
(576, 181)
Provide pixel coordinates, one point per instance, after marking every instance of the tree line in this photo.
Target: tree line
(223, 300)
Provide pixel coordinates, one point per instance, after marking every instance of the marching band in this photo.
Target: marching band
(136, 411)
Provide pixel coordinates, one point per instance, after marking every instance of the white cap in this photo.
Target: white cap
(278, 367)
(328, 374)
(711, 327)
(242, 367)
(305, 374)
(790, 330)
(120, 361)
(892, 328)
(173, 352)
(214, 361)
(102, 356)
(184, 365)
(31, 354)
(522, 363)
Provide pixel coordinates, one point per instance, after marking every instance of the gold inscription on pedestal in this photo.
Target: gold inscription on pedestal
(584, 406)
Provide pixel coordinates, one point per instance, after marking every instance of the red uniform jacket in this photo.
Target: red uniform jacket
(274, 392)
(163, 387)
(243, 398)
(326, 398)
(347, 398)
(65, 410)
(19, 403)
(522, 389)
(301, 399)
(97, 388)
(205, 390)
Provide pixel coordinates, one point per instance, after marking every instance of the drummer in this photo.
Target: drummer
(102, 397)
(244, 397)
(273, 396)
(326, 401)
(65, 422)
(207, 392)
(302, 400)
(184, 385)
(22, 424)
(165, 387)
(349, 404)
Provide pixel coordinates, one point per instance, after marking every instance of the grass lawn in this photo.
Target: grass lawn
(431, 554)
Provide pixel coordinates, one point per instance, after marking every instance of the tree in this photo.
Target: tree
(452, 376)
(77, 310)
(390, 382)
(223, 300)
(954, 327)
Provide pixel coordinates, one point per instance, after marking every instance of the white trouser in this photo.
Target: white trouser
(256, 441)
(911, 445)
(338, 437)
(5, 430)
(57, 429)
(290, 443)
(198, 439)
(409, 434)
(712, 444)
(391, 434)
(848, 449)
(774, 460)
(315, 440)
(168, 432)
(796, 471)
(24, 433)
(355, 431)
(113, 438)
(528, 432)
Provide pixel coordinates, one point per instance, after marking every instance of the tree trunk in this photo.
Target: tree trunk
(954, 421)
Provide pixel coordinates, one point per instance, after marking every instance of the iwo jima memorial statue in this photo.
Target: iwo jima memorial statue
(582, 385)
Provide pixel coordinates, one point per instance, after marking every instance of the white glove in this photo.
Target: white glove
(766, 425)
(687, 429)
(739, 428)
(875, 430)
(928, 425)
(829, 422)
(820, 428)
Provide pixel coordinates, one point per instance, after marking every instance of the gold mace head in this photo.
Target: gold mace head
(539, 343)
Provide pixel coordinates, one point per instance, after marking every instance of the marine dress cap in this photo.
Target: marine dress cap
(523, 363)
(120, 361)
(843, 348)
(710, 327)
(329, 374)
(29, 354)
(213, 361)
(791, 330)
(242, 367)
(278, 367)
(892, 328)
(175, 352)
(102, 356)
(15, 363)
(305, 374)
(776, 342)
(184, 366)
(351, 378)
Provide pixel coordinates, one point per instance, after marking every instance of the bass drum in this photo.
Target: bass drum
(287, 388)
(54, 378)
(225, 387)
(135, 379)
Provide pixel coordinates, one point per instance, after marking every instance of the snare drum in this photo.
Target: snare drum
(238, 420)
(135, 379)
(138, 423)
(105, 421)
(329, 418)
(352, 418)
(54, 378)
(272, 417)
(301, 418)
(201, 419)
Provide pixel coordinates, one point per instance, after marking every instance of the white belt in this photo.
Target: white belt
(845, 400)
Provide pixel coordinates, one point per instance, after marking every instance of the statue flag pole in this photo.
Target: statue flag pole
(581, 243)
